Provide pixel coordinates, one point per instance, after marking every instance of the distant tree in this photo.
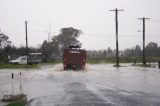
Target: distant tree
(55, 47)
(67, 36)
(104, 53)
(109, 50)
(4, 47)
(129, 52)
(158, 51)
(152, 45)
(46, 50)
(4, 40)
(137, 51)
(89, 54)
(151, 49)
(7, 53)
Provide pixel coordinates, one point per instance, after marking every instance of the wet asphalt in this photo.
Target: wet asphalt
(97, 85)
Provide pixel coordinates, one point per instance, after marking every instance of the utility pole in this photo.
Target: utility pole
(26, 38)
(143, 19)
(117, 48)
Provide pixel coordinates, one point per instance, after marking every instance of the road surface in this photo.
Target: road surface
(97, 85)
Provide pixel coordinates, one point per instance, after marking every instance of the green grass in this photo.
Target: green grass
(15, 100)
(112, 61)
(142, 65)
(16, 66)
(122, 60)
(17, 103)
(98, 61)
(19, 66)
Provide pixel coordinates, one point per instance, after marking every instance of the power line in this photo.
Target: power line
(111, 35)
(37, 30)
(16, 33)
(13, 28)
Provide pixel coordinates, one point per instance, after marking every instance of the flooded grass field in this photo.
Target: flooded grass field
(97, 85)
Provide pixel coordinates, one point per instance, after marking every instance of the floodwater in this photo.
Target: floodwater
(97, 85)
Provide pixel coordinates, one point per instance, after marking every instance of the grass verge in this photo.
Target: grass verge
(15, 66)
(17, 103)
(15, 100)
(142, 65)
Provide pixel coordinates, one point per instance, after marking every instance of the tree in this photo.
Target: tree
(104, 53)
(54, 48)
(151, 49)
(129, 52)
(137, 51)
(158, 51)
(4, 47)
(46, 49)
(109, 52)
(67, 36)
(4, 40)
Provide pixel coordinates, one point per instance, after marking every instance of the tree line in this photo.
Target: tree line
(130, 54)
(53, 50)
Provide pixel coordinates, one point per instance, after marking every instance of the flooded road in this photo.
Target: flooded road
(97, 85)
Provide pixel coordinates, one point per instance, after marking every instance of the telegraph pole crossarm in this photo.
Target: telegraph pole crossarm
(117, 48)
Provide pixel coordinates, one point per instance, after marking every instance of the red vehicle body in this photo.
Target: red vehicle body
(74, 58)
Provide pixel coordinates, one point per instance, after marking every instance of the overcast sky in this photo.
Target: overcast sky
(91, 16)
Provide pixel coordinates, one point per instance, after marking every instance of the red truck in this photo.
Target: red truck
(74, 58)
